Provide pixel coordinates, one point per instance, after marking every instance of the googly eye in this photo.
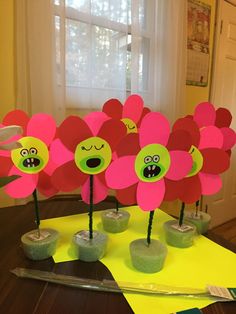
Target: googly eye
(156, 158)
(147, 159)
(24, 152)
(33, 151)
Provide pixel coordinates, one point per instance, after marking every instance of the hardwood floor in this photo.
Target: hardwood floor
(227, 231)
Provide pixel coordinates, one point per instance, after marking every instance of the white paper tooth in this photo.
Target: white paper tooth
(149, 176)
(153, 167)
(28, 160)
(149, 167)
(28, 166)
(32, 159)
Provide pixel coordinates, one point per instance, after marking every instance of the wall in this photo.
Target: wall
(194, 94)
(7, 86)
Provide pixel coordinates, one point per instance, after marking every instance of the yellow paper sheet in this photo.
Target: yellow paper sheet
(204, 263)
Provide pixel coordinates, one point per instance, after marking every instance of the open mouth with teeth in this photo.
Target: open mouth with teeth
(151, 171)
(31, 162)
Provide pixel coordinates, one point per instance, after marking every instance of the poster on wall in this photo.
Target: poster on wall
(198, 50)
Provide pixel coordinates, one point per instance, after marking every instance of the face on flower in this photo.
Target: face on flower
(152, 163)
(32, 157)
(130, 125)
(197, 161)
(93, 155)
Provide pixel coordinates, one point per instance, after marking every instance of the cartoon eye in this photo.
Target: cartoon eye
(156, 158)
(147, 159)
(87, 149)
(130, 127)
(24, 152)
(192, 151)
(99, 148)
(33, 151)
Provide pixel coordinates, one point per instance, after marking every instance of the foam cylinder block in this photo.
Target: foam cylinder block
(115, 221)
(39, 248)
(201, 222)
(90, 250)
(178, 238)
(148, 258)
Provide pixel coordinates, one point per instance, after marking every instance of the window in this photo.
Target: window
(104, 49)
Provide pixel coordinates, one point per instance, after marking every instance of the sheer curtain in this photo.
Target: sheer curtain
(77, 54)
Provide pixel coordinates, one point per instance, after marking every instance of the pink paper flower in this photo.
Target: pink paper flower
(84, 148)
(131, 114)
(209, 160)
(144, 162)
(31, 161)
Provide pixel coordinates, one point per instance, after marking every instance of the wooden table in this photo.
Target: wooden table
(26, 296)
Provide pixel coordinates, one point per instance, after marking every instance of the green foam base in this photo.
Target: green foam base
(115, 222)
(40, 249)
(177, 238)
(201, 224)
(148, 258)
(90, 250)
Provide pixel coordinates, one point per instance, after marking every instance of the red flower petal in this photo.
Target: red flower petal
(5, 166)
(17, 117)
(112, 131)
(99, 191)
(129, 145)
(150, 194)
(210, 183)
(72, 131)
(204, 114)
(145, 111)
(223, 118)
(45, 186)
(113, 108)
(127, 196)
(173, 189)
(190, 126)
(68, 177)
(191, 191)
(229, 138)
(179, 140)
(215, 160)
(133, 108)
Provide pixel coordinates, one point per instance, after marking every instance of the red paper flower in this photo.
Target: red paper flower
(31, 161)
(131, 114)
(209, 160)
(144, 162)
(85, 149)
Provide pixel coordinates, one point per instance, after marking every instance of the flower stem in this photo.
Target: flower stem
(36, 207)
(181, 216)
(197, 206)
(117, 206)
(149, 231)
(91, 209)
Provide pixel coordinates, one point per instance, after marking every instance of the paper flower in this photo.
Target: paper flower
(144, 162)
(209, 160)
(89, 146)
(130, 114)
(205, 114)
(31, 160)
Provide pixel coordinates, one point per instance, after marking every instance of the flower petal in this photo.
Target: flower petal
(42, 126)
(95, 120)
(191, 191)
(17, 117)
(215, 160)
(67, 177)
(223, 118)
(210, 183)
(113, 108)
(129, 145)
(112, 131)
(145, 111)
(154, 128)
(173, 190)
(5, 165)
(127, 196)
(150, 194)
(59, 154)
(72, 131)
(181, 164)
(229, 138)
(211, 136)
(204, 114)
(121, 173)
(133, 108)
(23, 186)
(179, 140)
(45, 186)
(99, 191)
(190, 126)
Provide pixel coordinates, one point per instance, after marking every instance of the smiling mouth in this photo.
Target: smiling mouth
(31, 162)
(151, 171)
(93, 162)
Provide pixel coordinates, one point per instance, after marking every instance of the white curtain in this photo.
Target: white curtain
(77, 56)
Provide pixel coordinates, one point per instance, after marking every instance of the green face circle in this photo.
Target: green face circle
(32, 157)
(93, 155)
(152, 163)
(197, 161)
(130, 125)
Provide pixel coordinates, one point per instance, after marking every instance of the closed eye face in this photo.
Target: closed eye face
(32, 157)
(130, 125)
(197, 161)
(93, 155)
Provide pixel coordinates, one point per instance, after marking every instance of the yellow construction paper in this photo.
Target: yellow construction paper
(205, 263)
